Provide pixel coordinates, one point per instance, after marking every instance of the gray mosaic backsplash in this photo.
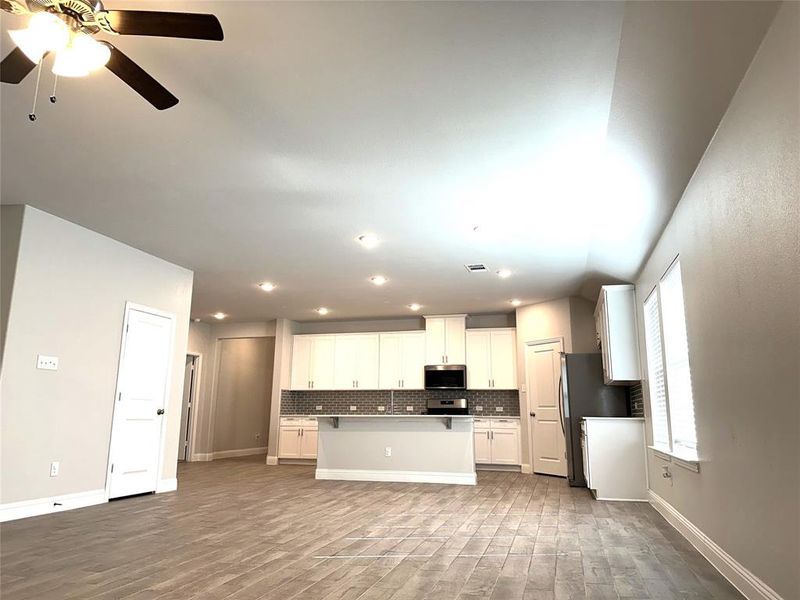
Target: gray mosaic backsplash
(368, 402)
(636, 400)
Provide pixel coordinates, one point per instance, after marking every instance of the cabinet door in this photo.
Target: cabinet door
(455, 343)
(289, 442)
(390, 361)
(308, 443)
(323, 355)
(478, 349)
(505, 446)
(503, 360)
(301, 362)
(434, 341)
(483, 446)
(367, 367)
(412, 354)
(346, 360)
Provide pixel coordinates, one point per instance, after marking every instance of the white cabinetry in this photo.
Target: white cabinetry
(445, 342)
(491, 359)
(402, 361)
(298, 438)
(356, 361)
(615, 321)
(614, 457)
(497, 442)
(313, 362)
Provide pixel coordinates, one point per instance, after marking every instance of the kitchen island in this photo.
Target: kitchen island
(403, 448)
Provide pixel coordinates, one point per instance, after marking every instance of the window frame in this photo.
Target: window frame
(667, 452)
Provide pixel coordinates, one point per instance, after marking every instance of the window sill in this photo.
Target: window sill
(690, 464)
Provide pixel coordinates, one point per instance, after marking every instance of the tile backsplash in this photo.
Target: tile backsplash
(636, 400)
(369, 402)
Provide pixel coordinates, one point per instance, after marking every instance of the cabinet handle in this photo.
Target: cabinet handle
(487, 435)
(402, 383)
(298, 432)
(492, 434)
(302, 433)
(398, 383)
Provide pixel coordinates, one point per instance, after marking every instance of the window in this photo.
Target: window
(670, 381)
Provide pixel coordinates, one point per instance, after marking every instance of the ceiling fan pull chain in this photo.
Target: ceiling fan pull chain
(53, 95)
(32, 114)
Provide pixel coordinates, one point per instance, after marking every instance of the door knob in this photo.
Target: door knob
(160, 411)
(533, 414)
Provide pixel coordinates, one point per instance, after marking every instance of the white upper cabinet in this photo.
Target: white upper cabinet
(491, 359)
(313, 362)
(402, 360)
(356, 361)
(615, 319)
(445, 342)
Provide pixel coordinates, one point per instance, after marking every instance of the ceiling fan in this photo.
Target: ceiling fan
(66, 28)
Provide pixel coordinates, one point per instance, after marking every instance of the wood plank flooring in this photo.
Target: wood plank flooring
(239, 530)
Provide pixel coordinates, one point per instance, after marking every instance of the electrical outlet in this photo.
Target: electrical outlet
(258, 435)
(498, 409)
(387, 451)
(478, 409)
(409, 409)
(353, 408)
(318, 407)
(48, 363)
(54, 466)
(381, 409)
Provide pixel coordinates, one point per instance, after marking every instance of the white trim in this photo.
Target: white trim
(43, 506)
(397, 476)
(166, 485)
(202, 457)
(740, 577)
(198, 365)
(129, 306)
(272, 460)
(526, 469)
(236, 453)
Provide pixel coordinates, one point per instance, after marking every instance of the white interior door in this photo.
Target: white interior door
(543, 363)
(141, 399)
(412, 368)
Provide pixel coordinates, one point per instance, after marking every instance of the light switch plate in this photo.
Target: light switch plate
(498, 409)
(318, 407)
(381, 408)
(479, 408)
(409, 409)
(48, 363)
(54, 466)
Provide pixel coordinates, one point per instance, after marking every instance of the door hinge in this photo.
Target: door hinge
(119, 397)
(112, 467)
(126, 328)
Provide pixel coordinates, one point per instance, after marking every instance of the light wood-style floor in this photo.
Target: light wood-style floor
(240, 530)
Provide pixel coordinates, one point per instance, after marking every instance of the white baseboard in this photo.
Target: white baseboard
(237, 453)
(526, 469)
(397, 476)
(272, 460)
(202, 457)
(43, 506)
(166, 485)
(740, 577)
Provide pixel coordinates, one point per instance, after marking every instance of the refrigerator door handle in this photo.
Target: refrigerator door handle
(561, 405)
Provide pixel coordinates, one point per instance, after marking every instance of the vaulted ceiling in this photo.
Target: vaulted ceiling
(564, 131)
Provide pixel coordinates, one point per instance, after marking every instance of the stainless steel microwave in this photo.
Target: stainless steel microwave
(446, 377)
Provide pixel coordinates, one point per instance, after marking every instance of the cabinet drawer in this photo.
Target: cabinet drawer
(291, 421)
(309, 423)
(505, 423)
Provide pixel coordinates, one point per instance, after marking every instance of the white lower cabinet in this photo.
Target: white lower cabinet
(497, 442)
(614, 461)
(298, 438)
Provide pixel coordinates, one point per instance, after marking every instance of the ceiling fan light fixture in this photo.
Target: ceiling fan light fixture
(82, 55)
(45, 33)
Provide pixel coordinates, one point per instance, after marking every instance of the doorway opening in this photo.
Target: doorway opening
(188, 405)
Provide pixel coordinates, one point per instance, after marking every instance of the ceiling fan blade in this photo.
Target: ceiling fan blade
(136, 77)
(15, 67)
(165, 24)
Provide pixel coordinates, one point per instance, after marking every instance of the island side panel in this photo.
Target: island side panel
(422, 450)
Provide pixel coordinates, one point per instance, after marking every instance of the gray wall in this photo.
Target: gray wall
(737, 232)
(202, 342)
(244, 387)
(400, 324)
(69, 301)
(10, 230)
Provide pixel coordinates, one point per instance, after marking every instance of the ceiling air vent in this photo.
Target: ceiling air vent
(476, 268)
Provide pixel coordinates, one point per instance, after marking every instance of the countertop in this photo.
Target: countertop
(395, 416)
(612, 418)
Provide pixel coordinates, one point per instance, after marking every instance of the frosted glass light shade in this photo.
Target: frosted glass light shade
(45, 33)
(83, 55)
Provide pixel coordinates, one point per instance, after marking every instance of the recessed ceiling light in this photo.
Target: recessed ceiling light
(322, 310)
(378, 279)
(414, 306)
(219, 316)
(368, 240)
(515, 302)
(504, 273)
(267, 286)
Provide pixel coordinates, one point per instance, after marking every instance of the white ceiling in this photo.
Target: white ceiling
(565, 131)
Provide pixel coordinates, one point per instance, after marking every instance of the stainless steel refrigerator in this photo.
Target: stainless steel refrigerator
(584, 394)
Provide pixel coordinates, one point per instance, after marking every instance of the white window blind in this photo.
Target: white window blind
(676, 358)
(655, 370)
